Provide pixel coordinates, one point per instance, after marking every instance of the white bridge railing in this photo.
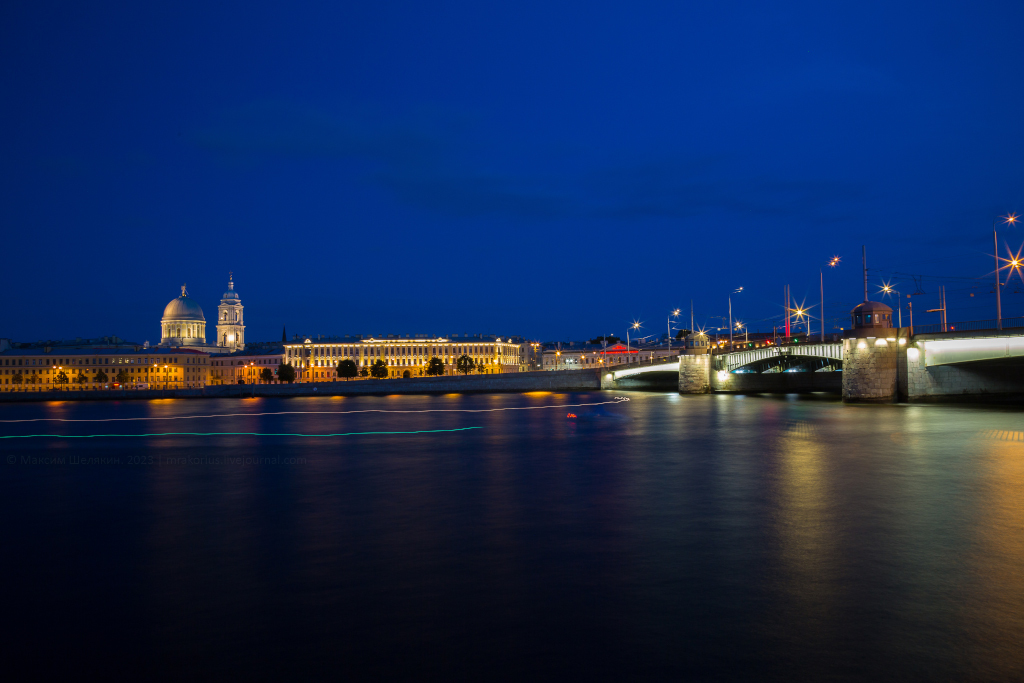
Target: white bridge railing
(737, 359)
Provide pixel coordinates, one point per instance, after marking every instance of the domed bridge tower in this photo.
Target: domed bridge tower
(183, 323)
(870, 355)
(230, 327)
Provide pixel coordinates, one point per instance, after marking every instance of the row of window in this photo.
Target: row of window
(389, 350)
(118, 360)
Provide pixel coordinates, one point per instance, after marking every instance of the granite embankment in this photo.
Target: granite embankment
(517, 382)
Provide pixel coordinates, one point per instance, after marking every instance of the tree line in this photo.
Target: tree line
(347, 369)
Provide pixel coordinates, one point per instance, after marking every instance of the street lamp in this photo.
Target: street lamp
(887, 289)
(741, 326)
(801, 316)
(832, 263)
(635, 326)
(1008, 219)
(673, 314)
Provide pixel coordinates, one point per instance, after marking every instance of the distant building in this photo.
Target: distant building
(316, 360)
(85, 369)
(230, 327)
(183, 324)
(582, 355)
(246, 365)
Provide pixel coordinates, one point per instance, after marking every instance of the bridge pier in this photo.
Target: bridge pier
(870, 368)
(695, 374)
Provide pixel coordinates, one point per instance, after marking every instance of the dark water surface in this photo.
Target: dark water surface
(668, 537)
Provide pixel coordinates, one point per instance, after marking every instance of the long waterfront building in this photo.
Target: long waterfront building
(316, 360)
(46, 369)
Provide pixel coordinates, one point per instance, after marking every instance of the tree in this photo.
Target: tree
(465, 364)
(363, 372)
(611, 339)
(61, 378)
(435, 367)
(379, 369)
(122, 376)
(266, 375)
(18, 378)
(100, 376)
(682, 334)
(347, 369)
(286, 372)
(481, 368)
(81, 379)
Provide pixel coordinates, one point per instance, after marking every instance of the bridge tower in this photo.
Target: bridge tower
(695, 365)
(870, 355)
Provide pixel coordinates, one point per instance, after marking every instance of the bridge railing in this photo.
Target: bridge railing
(778, 342)
(970, 326)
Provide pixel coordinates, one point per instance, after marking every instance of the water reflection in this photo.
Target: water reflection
(993, 611)
(698, 537)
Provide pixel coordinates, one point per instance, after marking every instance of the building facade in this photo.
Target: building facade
(244, 367)
(94, 369)
(316, 360)
(556, 357)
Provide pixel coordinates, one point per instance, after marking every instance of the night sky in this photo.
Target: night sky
(548, 171)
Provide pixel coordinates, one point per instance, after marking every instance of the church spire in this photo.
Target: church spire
(183, 292)
(231, 280)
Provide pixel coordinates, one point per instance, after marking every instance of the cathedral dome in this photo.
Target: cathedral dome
(184, 308)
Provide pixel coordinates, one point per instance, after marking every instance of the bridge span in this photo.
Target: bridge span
(889, 365)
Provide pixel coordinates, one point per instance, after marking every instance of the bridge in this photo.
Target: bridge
(892, 364)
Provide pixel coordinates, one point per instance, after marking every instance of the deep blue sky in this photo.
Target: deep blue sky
(539, 169)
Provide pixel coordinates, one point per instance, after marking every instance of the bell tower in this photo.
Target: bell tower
(230, 325)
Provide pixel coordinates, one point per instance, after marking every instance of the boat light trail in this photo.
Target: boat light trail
(617, 399)
(96, 436)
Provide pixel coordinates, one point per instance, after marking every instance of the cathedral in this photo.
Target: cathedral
(183, 325)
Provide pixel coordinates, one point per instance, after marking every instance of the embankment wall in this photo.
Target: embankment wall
(518, 382)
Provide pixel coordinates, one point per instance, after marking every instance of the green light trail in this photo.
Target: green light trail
(94, 436)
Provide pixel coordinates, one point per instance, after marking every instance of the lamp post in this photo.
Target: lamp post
(730, 323)
(673, 314)
(886, 288)
(635, 326)
(1008, 219)
(741, 326)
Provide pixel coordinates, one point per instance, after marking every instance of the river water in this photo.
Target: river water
(664, 537)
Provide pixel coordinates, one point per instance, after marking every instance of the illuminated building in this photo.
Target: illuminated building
(244, 365)
(594, 355)
(156, 368)
(317, 360)
(230, 330)
(183, 324)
